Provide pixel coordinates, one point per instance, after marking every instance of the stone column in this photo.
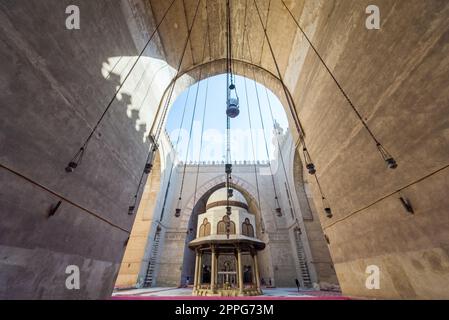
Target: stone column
(200, 269)
(256, 270)
(236, 269)
(253, 272)
(197, 268)
(213, 269)
(216, 269)
(240, 270)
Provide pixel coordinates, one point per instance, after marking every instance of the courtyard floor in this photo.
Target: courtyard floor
(186, 294)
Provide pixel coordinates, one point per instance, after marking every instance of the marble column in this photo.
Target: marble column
(256, 270)
(216, 269)
(253, 272)
(197, 274)
(236, 269)
(213, 272)
(240, 270)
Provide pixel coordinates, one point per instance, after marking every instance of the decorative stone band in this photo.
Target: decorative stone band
(224, 203)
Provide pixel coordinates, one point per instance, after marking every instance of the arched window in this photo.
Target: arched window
(205, 228)
(247, 229)
(221, 226)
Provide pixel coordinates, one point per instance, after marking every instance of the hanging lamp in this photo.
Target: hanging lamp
(279, 212)
(233, 109)
(76, 161)
(387, 157)
(150, 160)
(327, 208)
(178, 208)
(309, 164)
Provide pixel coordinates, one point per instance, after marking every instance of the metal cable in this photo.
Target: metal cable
(278, 143)
(381, 148)
(201, 141)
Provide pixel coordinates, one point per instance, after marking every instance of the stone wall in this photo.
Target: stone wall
(55, 85)
(319, 252)
(135, 250)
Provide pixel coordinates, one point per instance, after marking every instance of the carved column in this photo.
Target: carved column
(240, 270)
(213, 262)
(216, 269)
(256, 269)
(236, 269)
(253, 271)
(197, 273)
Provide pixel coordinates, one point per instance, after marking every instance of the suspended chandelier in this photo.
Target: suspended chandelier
(150, 160)
(309, 164)
(327, 208)
(232, 111)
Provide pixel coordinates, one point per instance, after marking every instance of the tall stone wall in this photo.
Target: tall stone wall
(394, 77)
(320, 256)
(56, 83)
(133, 259)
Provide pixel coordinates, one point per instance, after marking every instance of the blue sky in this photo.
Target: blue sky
(213, 145)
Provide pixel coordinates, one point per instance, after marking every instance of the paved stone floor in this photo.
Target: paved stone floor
(186, 294)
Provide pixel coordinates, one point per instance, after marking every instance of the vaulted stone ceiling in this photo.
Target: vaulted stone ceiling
(209, 29)
(206, 48)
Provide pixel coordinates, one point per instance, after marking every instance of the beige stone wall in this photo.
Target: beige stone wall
(171, 259)
(282, 259)
(320, 255)
(135, 250)
(321, 258)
